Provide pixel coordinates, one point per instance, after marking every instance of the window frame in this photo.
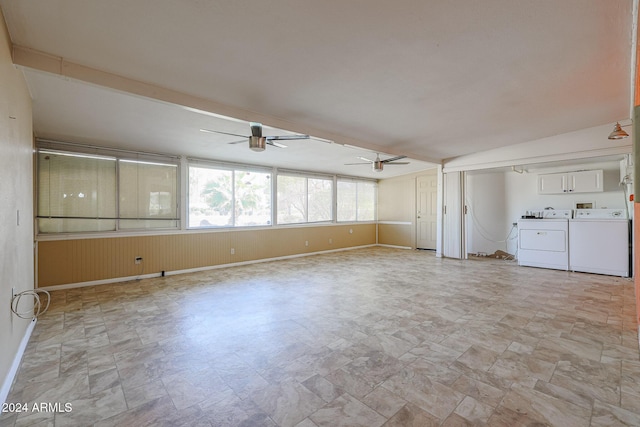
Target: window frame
(233, 168)
(117, 155)
(306, 176)
(182, 189)
(358, 182)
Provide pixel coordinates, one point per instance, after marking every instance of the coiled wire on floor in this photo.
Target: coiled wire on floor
(32, 312)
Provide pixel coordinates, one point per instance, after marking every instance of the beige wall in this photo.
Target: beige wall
(397, 210)
(402, 235)
(80, 260)
(16, 194)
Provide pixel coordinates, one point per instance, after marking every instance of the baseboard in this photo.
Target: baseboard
(8, 381)
(394, 246)
(194, 270)
(258, 261)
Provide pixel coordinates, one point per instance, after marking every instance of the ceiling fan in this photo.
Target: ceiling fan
(257, 142)
(378, 164)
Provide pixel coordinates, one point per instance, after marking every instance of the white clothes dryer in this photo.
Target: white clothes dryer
(599, 242)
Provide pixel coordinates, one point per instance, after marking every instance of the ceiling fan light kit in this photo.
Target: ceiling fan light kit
(618, 133)
(377, 164)
(257, 142)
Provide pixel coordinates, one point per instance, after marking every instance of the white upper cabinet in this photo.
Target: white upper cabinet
(571, 182)
(552, 183)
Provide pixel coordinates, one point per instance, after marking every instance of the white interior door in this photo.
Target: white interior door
(427, 214)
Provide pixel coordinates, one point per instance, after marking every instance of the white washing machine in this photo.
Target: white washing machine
(599, 242)
(544, 242)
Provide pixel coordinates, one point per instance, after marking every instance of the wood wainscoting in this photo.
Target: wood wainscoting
(80, 260)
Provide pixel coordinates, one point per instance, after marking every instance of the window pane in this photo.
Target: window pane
(252, 198)
(347, 200)
(148, 195)
(356, 201)
(80, 190)
(366, 201)
(210, 197)
(320, 195)
(292, 199)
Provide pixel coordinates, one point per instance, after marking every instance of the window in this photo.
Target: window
(356, 200)
(304, 199)
(80, 192)
(221, 197)
(147, 194)
(76, 192)
(347, 200)
(320, 196)
(366, 209)
(90, 189)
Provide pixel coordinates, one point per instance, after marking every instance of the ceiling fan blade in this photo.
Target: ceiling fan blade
(223, 133)
(365, 159)
(286, 137)
(238, 142)
(275, 144)
(350, 164)
(394, 158)
(256, 129)
(396, 163)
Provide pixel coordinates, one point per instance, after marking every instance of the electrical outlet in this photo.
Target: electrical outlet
(330, 241)
(351, 231)
(306, 243)
(138, 260)
(233, 251)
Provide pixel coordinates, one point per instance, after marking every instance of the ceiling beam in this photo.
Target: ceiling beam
(42, 61)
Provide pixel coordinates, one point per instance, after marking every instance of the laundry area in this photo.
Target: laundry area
(585, 240)
(572, 216)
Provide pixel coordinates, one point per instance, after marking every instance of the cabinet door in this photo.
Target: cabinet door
(553, 183)
(586, 181)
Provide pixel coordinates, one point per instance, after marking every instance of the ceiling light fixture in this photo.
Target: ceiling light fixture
(618, 133)
(257, 143)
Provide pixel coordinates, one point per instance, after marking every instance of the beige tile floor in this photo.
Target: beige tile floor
(367, 337)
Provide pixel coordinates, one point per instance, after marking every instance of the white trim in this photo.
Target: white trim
(193, 270)
(304, 174)
(99, 282)
(395, 222)
(93, 151)
(228, 166)
(394, 246)
(8, 381)
(164, 232)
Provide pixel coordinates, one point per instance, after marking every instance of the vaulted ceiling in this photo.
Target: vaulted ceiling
(427, 79)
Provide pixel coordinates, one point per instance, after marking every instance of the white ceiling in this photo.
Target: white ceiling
(429, 79)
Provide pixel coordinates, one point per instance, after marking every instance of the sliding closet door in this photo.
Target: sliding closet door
(453, 210)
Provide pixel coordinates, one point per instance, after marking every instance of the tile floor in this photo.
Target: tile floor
(368, 337)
